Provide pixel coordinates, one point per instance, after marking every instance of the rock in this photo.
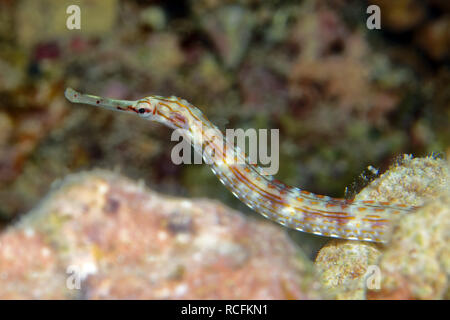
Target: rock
(343, 267)
(416, 244)
(29, 267)
(413, 181)
(115, 239)
(416, 264)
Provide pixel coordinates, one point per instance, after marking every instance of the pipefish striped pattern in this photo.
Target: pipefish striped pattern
(292, 207)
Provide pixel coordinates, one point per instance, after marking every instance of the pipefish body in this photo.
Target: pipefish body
(292, 207)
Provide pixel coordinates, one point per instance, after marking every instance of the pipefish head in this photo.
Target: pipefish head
(152, 108)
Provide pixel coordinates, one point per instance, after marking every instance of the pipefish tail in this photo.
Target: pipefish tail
(289, 206)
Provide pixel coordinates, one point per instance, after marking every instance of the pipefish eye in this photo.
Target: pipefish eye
(143, 108)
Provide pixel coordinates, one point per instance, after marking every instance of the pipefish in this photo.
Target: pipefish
(292, 207)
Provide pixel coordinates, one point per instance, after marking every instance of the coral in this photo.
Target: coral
(414, 264)
(343, 267)
(129, 242)
(318, 75)
(411, 181)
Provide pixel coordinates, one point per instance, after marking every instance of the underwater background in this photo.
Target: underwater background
(343, 97)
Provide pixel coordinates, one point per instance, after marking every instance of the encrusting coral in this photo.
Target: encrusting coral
(415, 264)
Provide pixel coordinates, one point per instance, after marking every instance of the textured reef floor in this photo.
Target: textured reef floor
(99, 235)
(415, 264)
(128, 242)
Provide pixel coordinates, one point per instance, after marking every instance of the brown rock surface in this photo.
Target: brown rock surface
(113, 238)
(415, 264)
